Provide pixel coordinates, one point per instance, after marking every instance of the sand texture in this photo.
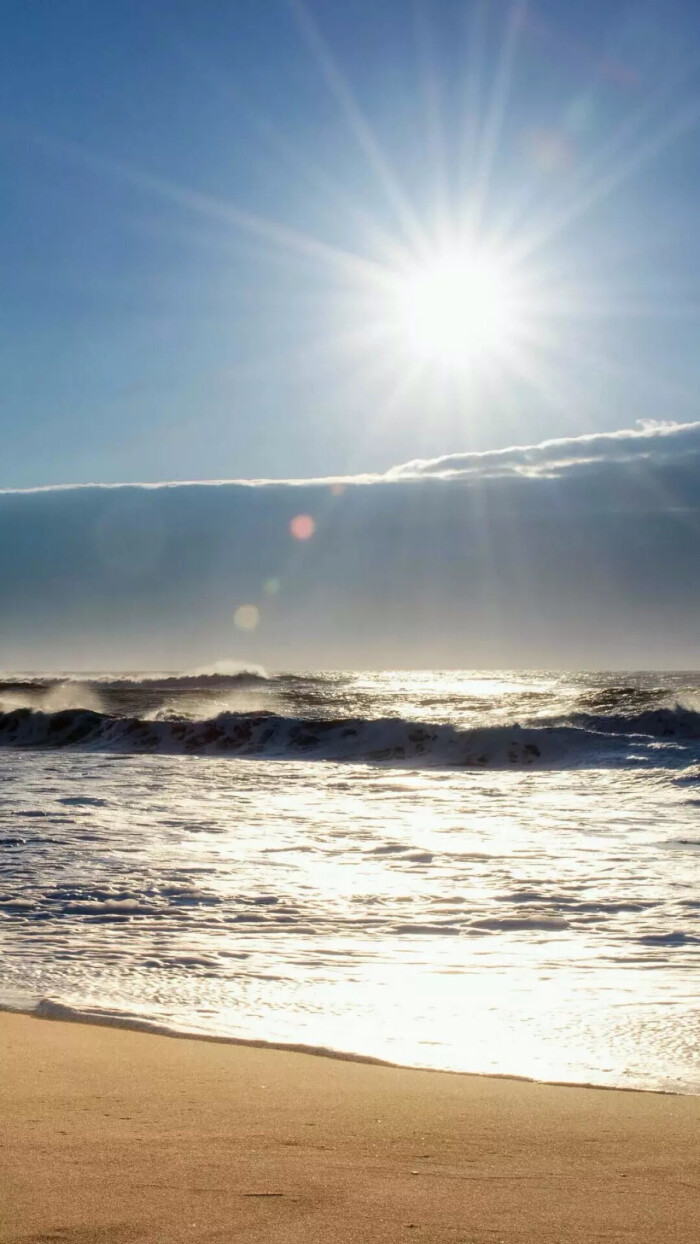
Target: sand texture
(110, 1136)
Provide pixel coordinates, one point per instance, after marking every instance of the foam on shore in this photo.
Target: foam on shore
(48, 1009)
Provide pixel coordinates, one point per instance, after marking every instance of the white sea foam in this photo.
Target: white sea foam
(534, 914)
(229, 668)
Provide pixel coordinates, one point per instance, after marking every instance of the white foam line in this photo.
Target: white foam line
(59, 1012)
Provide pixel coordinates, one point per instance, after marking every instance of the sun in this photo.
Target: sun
(456, 308)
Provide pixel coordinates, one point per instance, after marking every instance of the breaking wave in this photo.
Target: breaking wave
(660, 723)
(199, 693)
(138, 682)
(392, 741)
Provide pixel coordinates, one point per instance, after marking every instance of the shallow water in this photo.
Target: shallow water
(527, 919)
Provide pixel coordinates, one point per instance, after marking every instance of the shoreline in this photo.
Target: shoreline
(59, 1012)
(110, 1136)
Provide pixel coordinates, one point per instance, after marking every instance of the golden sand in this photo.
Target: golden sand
(110, 1136)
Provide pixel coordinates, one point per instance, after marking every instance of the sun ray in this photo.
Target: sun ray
(612, 164)
(298, 160)
(353, 265)
(683, 121)
(359, 125)
(495, 117)
(435, 129)
(473, 79)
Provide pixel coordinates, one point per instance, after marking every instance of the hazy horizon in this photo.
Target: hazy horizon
(577, 553)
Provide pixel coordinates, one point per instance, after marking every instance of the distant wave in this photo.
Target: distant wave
(185, 682)
(658, 723)
(392, 741)
(607, 699)
(195, 696)
(136, 682)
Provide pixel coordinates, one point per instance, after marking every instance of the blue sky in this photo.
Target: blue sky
(192, 191)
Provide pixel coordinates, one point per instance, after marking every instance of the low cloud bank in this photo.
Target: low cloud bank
(577, 552)
(656, 443)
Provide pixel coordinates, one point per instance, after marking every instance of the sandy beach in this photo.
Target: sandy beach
(114, 1135)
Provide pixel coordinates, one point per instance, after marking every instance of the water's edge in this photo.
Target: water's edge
(58, 1012)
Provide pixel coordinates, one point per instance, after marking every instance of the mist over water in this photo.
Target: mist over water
(486, 871)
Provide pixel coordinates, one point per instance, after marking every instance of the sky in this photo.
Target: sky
(307, 240)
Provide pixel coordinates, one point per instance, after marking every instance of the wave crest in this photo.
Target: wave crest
(678, 722)
(392, 741)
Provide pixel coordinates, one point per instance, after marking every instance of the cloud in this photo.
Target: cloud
(577, 552)
(658, 442)
(664, 443)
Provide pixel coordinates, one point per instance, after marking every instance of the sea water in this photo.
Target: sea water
(485, 872)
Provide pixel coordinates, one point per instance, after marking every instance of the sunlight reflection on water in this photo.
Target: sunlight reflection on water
(531, 923)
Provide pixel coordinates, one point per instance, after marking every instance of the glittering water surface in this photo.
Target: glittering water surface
(536, 918)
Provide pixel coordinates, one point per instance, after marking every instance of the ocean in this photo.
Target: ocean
(492, 872)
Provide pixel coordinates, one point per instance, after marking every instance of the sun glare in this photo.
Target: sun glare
(455, 308)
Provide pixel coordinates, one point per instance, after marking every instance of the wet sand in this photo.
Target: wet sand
(110, 1136)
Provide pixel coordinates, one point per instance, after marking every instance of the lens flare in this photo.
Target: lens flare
(302, 526)
(246, 617)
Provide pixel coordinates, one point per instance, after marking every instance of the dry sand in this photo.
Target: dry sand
(110, 1136)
